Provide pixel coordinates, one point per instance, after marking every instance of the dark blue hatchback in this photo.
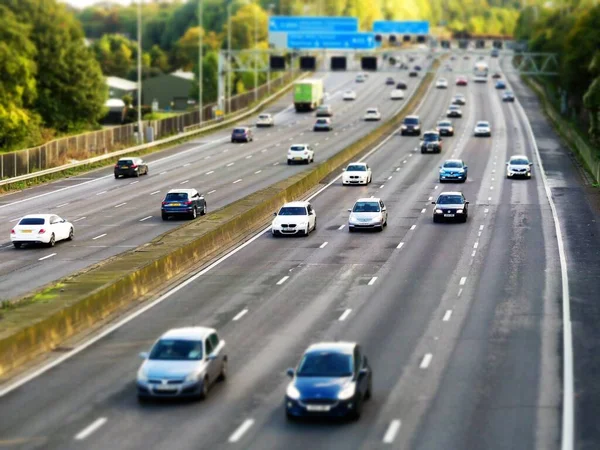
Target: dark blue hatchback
(332, 380)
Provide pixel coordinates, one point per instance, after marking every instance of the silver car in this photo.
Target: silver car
(367, 213)
(518, 166)
(183, 362)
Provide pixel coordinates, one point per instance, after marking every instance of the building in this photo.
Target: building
(172, 91)
(118, 87)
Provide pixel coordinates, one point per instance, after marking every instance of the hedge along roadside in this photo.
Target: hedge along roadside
(40, 322)
(97, 162)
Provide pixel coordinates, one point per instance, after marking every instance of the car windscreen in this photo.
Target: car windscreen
(483, 124)
(325, 364)
(322, 121)
(444, 124)
(429, 137)
(411, 121)
(292, 211)
(366, 207)
(519, 162)
(263, 116)
(356, 168)
(323, 108)
(32, 221)
(125, 162)
(297, 148)
(371, 111)
(176, 196)
(176, 350)
(453, 108)
(508, 93)
(450, 200)
(453, 164)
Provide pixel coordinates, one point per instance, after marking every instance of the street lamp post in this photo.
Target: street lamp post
(200, 58)
(229, 90)
(255, 57)
(269, 13)
(139, 71)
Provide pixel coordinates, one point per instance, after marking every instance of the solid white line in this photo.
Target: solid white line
(392, 431)
(400, 245)
(447, 315)
(237, 434)
(64, 204)
(133, 182)
(208, 173)
(145, 218)
(413, 227)
(90, 429)
(257, 172)
(98, 237)
(47, 256)
(283, 280)
(372, 281)
(230, 164)
(323, 244)
(426, 360)
(103, 192)
(120, 204)
(345, 315)
(154, 193)
(239, 315)
(211, 192)
(341, 227)
(237, 181)
(462, 281)
(185, 181)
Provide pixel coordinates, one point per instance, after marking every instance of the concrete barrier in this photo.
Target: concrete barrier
(42, 321)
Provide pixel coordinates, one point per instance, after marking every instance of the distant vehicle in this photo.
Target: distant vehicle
(466, 57)
(323, 124)
(518, 166)
(357, 173)
(324, 111)
(461, 81)
(183, 362)
(411, 125)
(265, 120)
(45, 229)
(242, 134)
(445, 128)
(495, 53)
(500, 84)
(508, 96)
(308, 94)
(401, 85)
(333, 379)
(360, 78)
(459, 99)
(481, 69)
(413, 74)
(454, 111)
(389, 81)
(294, 218)
(130, 167)
(397, 94)
(432, 142)
(450, 206)
(367, 213)
(442, 83)
(496, 75)
(349, 95)
(483, 128)
(372, 114)
(453, 170)
(302, 153)
(480, 79)
(417, 68)
(448, 68)
(183, 202)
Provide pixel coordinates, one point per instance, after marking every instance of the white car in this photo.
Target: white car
(483, 128)
(360, 78)
(357, 173)
(518, 166)
(442, 83)
(265, 120)
(480, 79)
(397, 94)
(41, 229)
(294, 218)
(367, 213)
(373, 114)
(300, 153)
(349, 95)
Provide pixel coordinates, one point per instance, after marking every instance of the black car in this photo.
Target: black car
(130, 167)
(417, 68)
(450, 206)
(183, 202)
(389, 81)
(401, 85)
(459, 99)
(242, 134)
(496, 75)
(413, 74)
(432, 142)
(411, 126)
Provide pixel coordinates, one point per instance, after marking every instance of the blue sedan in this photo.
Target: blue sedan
(500, 84)
(333, 379)
(453, 170)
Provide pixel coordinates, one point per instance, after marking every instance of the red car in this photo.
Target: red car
(461, 81)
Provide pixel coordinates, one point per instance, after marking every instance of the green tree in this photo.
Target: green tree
(210, 66)
(245, 21)
(159, 59)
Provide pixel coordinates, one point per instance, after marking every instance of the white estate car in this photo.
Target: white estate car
(518, 166)
(372, 114)
(41, 229)
(357, 173)
(300, 153)
(294, 218)
(442, 83)
(367, 213)
(483, 128)
(397, 94)
(265, 120)
(349, 95)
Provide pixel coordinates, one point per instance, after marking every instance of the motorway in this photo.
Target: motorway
(111, 216)
(461, 322)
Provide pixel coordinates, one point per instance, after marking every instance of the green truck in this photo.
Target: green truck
(308, 94)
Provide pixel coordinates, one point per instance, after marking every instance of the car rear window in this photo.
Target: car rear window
(297, 148)
(239, 130)
(32, 221)
(356, 168)
(483, 124)
(176, 196)
(450, 200)
(411, 121)
(292, 211)
(325, 364)
(125, 162)
(263, 116)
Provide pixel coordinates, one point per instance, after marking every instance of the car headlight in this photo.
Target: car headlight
(292, 392)
(459, 211)
(192, 378)
(438, 211)
(302, 224)
(142, 376)
(347, 392)
(403, 127)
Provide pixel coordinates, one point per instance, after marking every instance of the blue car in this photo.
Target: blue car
(500, 84)
(333, 379)
(453, 170)
(183, 202)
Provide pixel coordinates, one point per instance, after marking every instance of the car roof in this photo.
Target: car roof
(181, 191)
(368, 199)
(296, 204)
(339, 347)
(188, 333)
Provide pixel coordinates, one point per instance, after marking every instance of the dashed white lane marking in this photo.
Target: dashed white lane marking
(162, 173)
(283, 280)
(239, 315)
(430, 198)
(263, 150)
(276, 164)
(323, 244)
(249, 156)
(462, 281)
(316, 143)
(382, 186)
(98, 237)
(230, 164)
(397, 169)
(473, 254)
(423, 210)
(345, 315)
(413, 227)
(435, 187)
(207, 157)
(185, 165)
(154, 193)
(487, 210)
(226, 150)
(103, 192)
(257, 172)
(491, 187)
(90, 429)
(210, 172)
(237, 181)
(64, 204)
(120, 204)
(185, 182)
(426, 361)
(447, 315)
(211, 192)
(341, 227)
(81, 218)
(400, 245)
(145, 218)
(404, 162)
(476, 244)
(460, 291)
(237, 434)
(390, 177)
(372, 281)
(481, 227)
(392, 431)
(133, 182)
(47, 256)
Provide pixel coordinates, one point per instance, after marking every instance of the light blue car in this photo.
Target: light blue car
(453, 170)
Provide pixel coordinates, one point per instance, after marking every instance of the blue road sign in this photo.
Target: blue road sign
(336, 41)
(288, 24)
(401, 26)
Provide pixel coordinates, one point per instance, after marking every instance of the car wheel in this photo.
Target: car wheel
(350, 230)
(369, 393)
(146, 171)
(357, 410)
(164, 216)
(380, 228)
(204, 392)
(223, 374)
(290, 417)
(307, 231)
(436, 219)
(52, 241)
(465, 218)
(203, 213)
(17, 244)
(71, 235)
(116, 176)
(142, 399)
(137, 174)
(194, 213)
(307, 162)
(289, 163)
(315, 226)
